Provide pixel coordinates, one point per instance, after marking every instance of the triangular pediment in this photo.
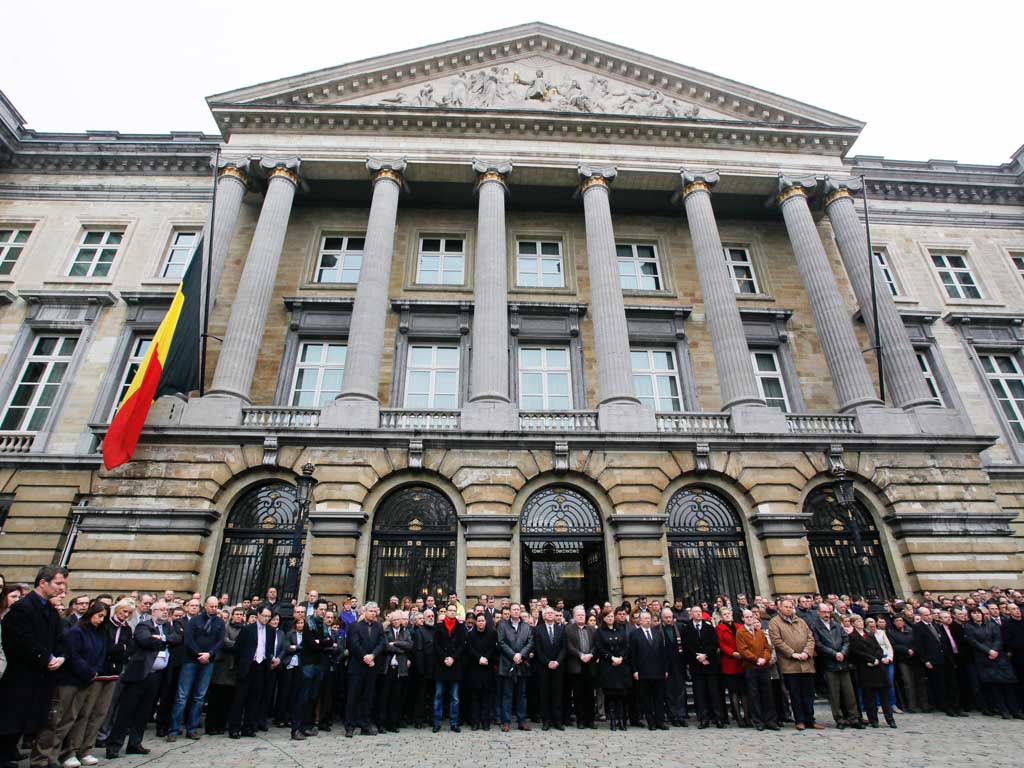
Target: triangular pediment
(498, 72)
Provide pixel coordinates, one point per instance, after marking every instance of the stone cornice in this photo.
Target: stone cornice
(65, 298)
(904, 524)
(942, 181)
(140, 520)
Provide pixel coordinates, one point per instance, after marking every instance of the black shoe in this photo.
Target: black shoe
(311, 731)
(455, 729)
(349, 733)
(325, 727)
(704, 724)
(652, 727)
(772, 727)
(892, 723)
(580, 726)
(720, 724)
(436, 729)
(592, 726)
(874, 724)
(248, 734)
(759, 727)
(161, 732)
(545, 727)
(298, 736)
(663, 727)
(98, 743)
(113, 754)
(559, 727)
(235, 735)
(371, 730)
(139, 750)
(683, 724)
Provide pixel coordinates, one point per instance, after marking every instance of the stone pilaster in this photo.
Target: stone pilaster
(489, 407)
(357, 405)
(736, 379)
(835, 328)
(232, 184)
(331, 556)
(489, 553)
(903, 378)
(240, 350)
(618, 408)
(642, 556)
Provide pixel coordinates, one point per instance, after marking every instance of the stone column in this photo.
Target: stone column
(618, 408)
(903, 378)
(357, 405)
(835, 328)
(244, 337)
(489, 407)
(232, 184)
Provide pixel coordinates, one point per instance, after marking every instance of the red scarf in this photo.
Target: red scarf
(449, 624)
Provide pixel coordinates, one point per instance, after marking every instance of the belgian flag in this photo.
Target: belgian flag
(171, 366)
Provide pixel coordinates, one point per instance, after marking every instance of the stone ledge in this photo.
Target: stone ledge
(488, 527)
(904, 524)
(628, 526)
(333, 523)
(787, 525)
(151, 521)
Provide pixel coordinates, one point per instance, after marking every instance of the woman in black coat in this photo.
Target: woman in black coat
(613, 671)
(423, 663)
(995, 674)
(481, 657)
(872, 677)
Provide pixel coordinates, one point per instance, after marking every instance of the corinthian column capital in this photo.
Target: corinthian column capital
(790, 187)
(838, 189)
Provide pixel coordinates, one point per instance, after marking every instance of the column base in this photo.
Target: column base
(941, 421)
(885, 421)
(351, 413)
(758, 420)
(489, 416)
(625, 416)
(213, 411)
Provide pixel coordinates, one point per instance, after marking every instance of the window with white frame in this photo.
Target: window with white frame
(179, 253)
(929, 375)
(770, 381)
(638, 267)
(539, 264)
(432, 377)
(656, 379)
(955, 274)
(545, 379)
(441, 261)
(319, 369)
(95, 252)
(39, 383)
(12, 242)
(741, 267)
(1004, 376)
(340, 259)
(136, 355)
(885, 270)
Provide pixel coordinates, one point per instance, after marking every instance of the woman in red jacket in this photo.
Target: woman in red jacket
(732, 670)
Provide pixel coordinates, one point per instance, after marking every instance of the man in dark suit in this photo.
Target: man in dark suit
(395, 662)
(154, 638)
(449, 646)
(935, 652)
(581, 665)
(700, 644)
(648, 657)
(366, 645)
(515, 643)
(254, 658)
(32, 642)
(550, 649)
(675, 686)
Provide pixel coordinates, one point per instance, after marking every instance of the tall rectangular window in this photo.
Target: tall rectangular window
(319, 369)
(545, 379)
(12, 242)
(95, 252)
(432, 377)
(656, 379)
(956, 276)
(929, 375)
(340, 259)
(1018, 262)
(39, 383)
(885, 270)
(741, 267)
(638, 267)
(539, 264)
(769, 379)
(441, 261)
(135, 357)
(179, 253)
(1004, 376)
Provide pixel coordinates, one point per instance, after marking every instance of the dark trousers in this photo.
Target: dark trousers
(551, 681)
(868, 696)
(735, 686)
(1001, 698)
(912, 686)
(362, 689)
(245, 707)
(136, 704)
(801, 696)
(782, 710)
(943, 690)
(325, 699)
(583, 696)
(423, 711)
(759, 697)
(392, 696)
(675, 695)
(218, 704)
(652, 698)
(166, 696)
(480, 711)
(706, 698)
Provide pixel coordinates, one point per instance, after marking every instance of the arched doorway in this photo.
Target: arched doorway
(707, 550)
(412, 551)
(264, 539)
(562, 543)
(834, 552)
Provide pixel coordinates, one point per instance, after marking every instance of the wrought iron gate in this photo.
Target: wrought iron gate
(413, 550)
(263, 532)
(833, 552)
(707, 550)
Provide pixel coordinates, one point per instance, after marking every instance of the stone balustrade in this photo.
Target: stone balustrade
(822, 424)
(405, 418)
(16, 442)
(558, 421)
(693, 422)
(280, 417)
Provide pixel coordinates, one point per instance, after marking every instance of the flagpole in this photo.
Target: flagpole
(874, 291)
(208, 255)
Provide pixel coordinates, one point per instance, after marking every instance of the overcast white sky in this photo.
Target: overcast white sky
(932, 80)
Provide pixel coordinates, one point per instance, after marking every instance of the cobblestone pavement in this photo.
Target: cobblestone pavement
(920, 740)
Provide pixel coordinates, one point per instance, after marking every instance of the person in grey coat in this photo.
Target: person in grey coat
(832, 646)
(515, 641)
(998, 680)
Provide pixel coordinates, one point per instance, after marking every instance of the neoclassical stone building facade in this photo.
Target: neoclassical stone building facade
(539, 313)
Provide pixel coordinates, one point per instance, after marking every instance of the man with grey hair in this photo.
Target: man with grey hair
(581, 665)
(550, 646)
(366, 646)
(649, 660)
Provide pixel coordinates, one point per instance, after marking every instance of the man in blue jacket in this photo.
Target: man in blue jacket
(204, 636)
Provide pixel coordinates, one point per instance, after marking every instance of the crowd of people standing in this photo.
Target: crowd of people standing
(96, 672)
